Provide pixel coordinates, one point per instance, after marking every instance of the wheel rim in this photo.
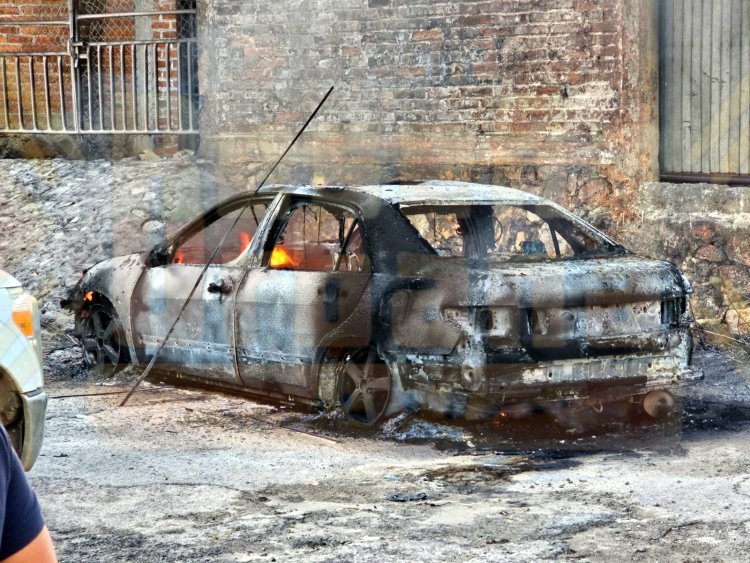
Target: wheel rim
(365, 387)
(101, 340)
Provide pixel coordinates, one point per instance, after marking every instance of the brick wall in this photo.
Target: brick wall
(556, 95)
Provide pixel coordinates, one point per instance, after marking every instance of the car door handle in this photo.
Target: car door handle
(222, 287)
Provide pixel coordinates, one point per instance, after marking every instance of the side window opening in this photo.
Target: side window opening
(503, 233)
(321, 239)
(197, 248)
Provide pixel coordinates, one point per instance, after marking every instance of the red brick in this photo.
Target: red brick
(427, 35)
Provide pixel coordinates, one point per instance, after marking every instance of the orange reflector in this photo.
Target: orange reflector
(24, 320)
(89, 296)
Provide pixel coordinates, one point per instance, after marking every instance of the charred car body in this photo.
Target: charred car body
(461, 298)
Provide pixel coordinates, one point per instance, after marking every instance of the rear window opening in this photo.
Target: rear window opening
(506, 233)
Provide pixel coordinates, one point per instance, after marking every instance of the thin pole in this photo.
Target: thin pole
(111, 88)
(134, 96)
(46, 93)
(213, 255)
(169, 87)
(90, 95)
(33, 94)
(190, 84)
(180, 52)
(19, 101)
(61, 93)
(156, 88)
(5, 95)
(123, 98)
(99, 86)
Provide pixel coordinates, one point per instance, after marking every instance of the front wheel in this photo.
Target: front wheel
(364, 387)
(105, 349)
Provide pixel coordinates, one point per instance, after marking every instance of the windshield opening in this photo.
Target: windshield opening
(506, 233)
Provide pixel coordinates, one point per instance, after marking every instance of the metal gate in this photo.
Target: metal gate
(705, 90)
(106, 67)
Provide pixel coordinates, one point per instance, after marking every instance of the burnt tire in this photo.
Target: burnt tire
(105, 349)
(363, 388)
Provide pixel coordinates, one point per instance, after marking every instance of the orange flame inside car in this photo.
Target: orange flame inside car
(89, 296)
(280, 258)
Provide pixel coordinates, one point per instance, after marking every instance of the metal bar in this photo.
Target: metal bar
(46, 93)
(180, 99)
(35, 53)
(81, 17)
(190, 86)
(118, 132)
(169, 86)
(156, 88)
(34, 22)
(61, 91)
(133, 42)
(32, 84)
(75, 68)
(88, 80)
(133, 87)
(123, 108)
(5, 94)
(111, 89)
(99, 85)
(18, 92)
(146, 90)
(715, 178)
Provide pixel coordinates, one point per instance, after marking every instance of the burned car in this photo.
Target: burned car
(460, 298)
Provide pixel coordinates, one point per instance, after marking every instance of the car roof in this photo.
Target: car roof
(433, 191)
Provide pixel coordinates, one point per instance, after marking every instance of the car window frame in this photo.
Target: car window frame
(558, 213)
(169, 248)
(282, 214)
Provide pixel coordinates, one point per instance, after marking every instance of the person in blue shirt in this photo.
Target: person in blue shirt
(24, 538)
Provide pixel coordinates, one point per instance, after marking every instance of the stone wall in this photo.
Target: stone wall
(704, 229)
(557, 95)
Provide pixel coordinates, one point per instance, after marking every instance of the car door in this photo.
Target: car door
(314, 271)
(202, 343)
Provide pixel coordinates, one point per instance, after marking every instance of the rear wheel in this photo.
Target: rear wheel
(364, 387)
(105, 349)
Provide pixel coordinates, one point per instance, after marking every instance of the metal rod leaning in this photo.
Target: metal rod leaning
(198, 281)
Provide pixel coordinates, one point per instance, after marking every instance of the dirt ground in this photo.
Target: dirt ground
(184, 475)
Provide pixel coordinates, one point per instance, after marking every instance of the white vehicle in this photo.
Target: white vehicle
(23, 403)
